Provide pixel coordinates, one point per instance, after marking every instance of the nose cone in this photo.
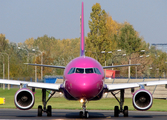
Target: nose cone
(85, 86)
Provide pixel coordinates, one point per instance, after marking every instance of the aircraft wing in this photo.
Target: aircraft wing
(115, 66)
(112, 87)
(49, 86)
(52, 66)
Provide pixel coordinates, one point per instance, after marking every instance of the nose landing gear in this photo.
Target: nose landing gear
(84, 113)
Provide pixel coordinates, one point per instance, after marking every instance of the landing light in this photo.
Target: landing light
(81, 100)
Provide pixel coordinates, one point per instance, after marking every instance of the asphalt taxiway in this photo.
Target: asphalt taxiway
(74, 114)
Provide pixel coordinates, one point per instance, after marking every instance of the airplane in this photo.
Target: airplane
(83, 80)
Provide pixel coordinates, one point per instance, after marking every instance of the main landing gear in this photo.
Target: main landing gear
(117, 111)
(44, 101)
(84, 113)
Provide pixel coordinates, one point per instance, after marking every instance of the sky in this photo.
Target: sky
(24, 19)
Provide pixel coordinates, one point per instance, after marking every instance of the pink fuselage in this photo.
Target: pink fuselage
(83, 85)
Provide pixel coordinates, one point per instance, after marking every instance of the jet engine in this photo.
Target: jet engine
(24, 99)
(142, 100)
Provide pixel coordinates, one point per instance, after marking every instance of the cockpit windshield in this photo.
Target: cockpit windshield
(79, 70)
(89, 70)
(72, 70)
(84, 70)
(96, 70)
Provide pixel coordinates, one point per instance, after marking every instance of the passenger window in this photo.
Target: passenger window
(97, 71)
(89, 70)
(72, 70)
(79, 70)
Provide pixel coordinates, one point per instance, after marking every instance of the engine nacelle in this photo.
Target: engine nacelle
(24, 99)
(142, 100)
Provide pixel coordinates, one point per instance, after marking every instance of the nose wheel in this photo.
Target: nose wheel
(81, 114)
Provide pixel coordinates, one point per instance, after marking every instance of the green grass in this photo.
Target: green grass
(62, 103)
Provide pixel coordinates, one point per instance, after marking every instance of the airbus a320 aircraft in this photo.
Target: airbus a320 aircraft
(84, 81)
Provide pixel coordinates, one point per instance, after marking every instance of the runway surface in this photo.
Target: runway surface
(74, 114)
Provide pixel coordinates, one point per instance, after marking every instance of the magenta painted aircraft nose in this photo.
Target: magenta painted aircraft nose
(84, 86)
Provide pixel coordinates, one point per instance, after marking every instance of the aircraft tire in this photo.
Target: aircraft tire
(81, 114)
(86, 114)
(125, 111)
(49, 111)
(116, 111)
(39, 110)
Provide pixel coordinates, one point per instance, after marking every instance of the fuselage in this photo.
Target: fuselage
(83, 78)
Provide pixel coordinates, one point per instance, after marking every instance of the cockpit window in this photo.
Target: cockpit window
(84, 70)
(89, 70)
(79, 70)
(72, 70)
(97, 70)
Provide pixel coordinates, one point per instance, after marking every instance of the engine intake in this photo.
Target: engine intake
(24, 99)
(142, 100)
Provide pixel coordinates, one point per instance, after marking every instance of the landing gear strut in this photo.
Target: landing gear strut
(44, 101)
(84, 113)
(117, 111)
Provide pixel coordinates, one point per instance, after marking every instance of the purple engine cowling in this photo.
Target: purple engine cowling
(24, 99)
(142, 100)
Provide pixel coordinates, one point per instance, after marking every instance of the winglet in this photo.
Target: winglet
(82, 42)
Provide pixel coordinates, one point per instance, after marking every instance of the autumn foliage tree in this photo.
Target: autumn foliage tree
(3, 42)
(97, 40)
(113, 29)
(128, 39)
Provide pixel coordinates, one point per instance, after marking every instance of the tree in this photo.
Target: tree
(97, 40)
(29, 43)
(160, 60)
(113, 29)
(3, 42)
(128, 39)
